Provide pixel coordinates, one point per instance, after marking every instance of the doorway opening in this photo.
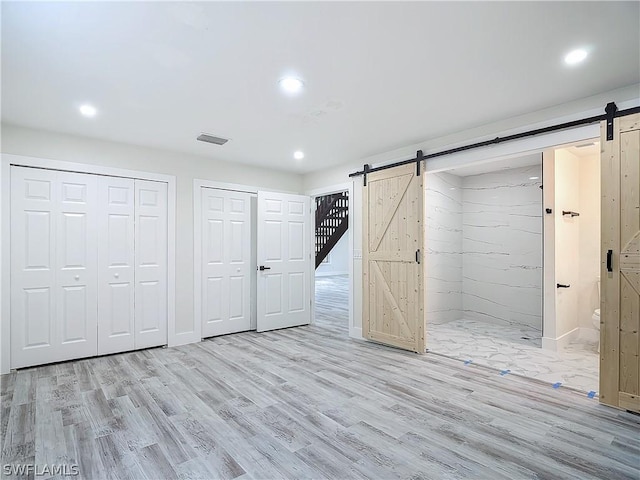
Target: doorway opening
(498, 245)
(332, 267)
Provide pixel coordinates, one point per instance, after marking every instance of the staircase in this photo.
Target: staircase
(332, 220)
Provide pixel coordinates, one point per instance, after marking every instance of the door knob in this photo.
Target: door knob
(262, 268)
(116, 275)
(77, 277)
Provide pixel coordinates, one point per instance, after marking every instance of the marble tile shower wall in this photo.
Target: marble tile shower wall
(502, 247)
(444, 247)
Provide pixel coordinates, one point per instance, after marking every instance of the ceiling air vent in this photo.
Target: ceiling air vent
(205, 137)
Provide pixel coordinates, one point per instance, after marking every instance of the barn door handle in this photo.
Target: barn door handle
(609, 260)
(418, 256)
(262, 268)
(560, 285)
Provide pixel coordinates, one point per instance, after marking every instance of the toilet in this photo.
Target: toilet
(596, 316)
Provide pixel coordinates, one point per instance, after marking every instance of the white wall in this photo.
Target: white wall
(338, 259)
(502, 246)
(590, 249)
(42, 144)
(443, 245)
(567, 242)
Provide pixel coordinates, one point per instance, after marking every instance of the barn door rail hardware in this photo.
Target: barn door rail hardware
(569, 212)
(611, 112)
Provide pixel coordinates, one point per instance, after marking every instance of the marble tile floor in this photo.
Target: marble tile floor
(504, 348)
(514, 348)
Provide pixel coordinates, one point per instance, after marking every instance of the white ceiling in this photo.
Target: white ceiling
(378, 75)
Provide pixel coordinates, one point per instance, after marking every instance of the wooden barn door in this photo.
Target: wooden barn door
(393, 311)
(620, 275)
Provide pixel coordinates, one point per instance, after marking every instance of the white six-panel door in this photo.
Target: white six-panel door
(53, 266)
(116, 265)
(151, 264)
(88, 265)
(284, 278)
(227, 266)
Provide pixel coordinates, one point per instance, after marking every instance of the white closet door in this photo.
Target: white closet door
(53, 266)
(284, 279)
(116, 265)
(151, 264)
(33, 279)
(77, 274)
(227, 270)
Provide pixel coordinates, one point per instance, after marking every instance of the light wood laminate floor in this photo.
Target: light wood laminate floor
(306, 402)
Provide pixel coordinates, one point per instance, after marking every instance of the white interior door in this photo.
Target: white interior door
(116, 265)
(227, 269)
(77, 279)
(284, 259)
(53, 266)
(150, 264)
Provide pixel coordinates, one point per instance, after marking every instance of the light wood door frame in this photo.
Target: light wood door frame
(393, 248)
(620, 284)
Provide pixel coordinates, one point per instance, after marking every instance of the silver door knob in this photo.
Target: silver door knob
(116, 275)
(77, 277)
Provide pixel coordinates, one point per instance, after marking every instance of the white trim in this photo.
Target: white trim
(557, 344)
(354, 332)
(36, 162)
(198, 185)
(8, 160)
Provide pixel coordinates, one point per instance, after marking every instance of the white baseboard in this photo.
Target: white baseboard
(356, 332)
(555, 344)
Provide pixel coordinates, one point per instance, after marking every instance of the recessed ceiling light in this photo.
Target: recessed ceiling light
(298, 155)
(88, 110)
(575, 56)
(534, 178)
(291, 84)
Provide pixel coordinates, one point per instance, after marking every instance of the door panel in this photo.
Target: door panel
(227, 269)
(53, 267)
(76, 247)
(620, 308)
(284, 229)
(393, 311)
(116, 265)
(150, 264)
(33, 214)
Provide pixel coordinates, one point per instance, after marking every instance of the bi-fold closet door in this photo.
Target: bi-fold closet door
(88, 265)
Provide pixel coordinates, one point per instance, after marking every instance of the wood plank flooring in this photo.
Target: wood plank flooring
(306, 402)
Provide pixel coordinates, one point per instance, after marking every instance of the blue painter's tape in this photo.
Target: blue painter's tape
(504, 372)
(591, 394)
(467, 362)
(556, 385)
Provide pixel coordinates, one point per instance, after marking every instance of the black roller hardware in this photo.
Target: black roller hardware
(611, 113)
